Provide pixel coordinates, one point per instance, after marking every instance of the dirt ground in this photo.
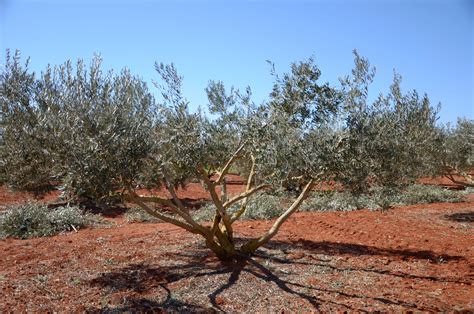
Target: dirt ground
(413, 258)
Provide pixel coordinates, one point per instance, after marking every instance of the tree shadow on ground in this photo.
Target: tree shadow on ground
(336, 248)
(261, 272)
(108, 211)
(461, 217)
(146, 305)
(142, 278)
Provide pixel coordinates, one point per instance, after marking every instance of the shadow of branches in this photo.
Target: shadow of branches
(335, 248)
(461, 217)
(338, 249)
(141, 279)
(146, 305)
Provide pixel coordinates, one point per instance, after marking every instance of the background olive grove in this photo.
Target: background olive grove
(100, 136)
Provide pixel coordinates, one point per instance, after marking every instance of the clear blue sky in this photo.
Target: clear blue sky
(429, 42)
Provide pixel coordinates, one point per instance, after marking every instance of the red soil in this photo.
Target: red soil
(445, 182)
(192, 192)
(416, 258)
(9, 197)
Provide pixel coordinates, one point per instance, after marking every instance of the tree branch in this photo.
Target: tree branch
(469, 181)
(217, 202)
(153, 199)
(245, 195)
(184, 214)
(254, 244)
(172, 191)
(229, 163)
(215, 223)
(135, 199)
(250, 181)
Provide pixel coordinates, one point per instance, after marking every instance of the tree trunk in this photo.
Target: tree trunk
(451, 171)
(224, 250)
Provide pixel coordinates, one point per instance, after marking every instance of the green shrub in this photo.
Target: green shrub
(468, 190)
(37, 220)
(3, 235)
(455, 157)
(378, 198)
(76, 127)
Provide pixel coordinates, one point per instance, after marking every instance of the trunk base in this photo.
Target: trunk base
(231, 253)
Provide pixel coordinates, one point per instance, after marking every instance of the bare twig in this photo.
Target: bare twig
(245, 194)
(250, 182)
(165, 218)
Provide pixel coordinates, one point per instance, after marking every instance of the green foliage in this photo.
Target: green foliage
(388, 143)
(94, 133)
(338, 201)
(23, 160)
(298, 140)
(101, 136)
(205, 212)
(456, 155)
(37, 220)
(264, 206)
(104, 133)
(302, 97)
(77, 127)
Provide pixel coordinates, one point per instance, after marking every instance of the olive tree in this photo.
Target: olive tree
(23, 160)
(280, 140)
(75, 128)
(389, 142)
(456, 154)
